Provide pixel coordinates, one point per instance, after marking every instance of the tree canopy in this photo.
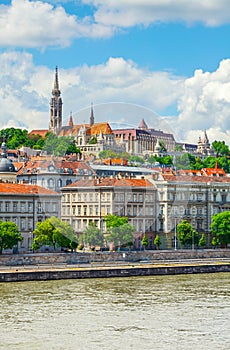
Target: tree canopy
(9, 235)
(187, 235)
(220, 228)
(54, 232)
(92, 236)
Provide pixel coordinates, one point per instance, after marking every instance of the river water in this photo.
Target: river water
(157, 312)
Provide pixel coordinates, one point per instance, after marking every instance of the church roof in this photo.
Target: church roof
(143, 125)
(96, 128)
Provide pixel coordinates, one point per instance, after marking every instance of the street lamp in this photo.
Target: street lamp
(175, 238)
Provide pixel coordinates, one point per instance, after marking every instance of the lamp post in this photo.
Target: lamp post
(175, 238)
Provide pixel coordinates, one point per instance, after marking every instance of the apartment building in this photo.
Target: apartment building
(25, 205)
(89, 201)
(191, 197)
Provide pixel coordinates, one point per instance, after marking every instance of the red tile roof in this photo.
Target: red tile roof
(11, 188)
(114, 182)
(41, 132)
(38, 166)
(189, 178)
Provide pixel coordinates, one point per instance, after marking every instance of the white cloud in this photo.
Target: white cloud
(127, 13)
(27, 23)
(39, 24)
(205, 103)
(121, 92)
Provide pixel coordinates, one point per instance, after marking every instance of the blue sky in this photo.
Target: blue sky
(166, 61)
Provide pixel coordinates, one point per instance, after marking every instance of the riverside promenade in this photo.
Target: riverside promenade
(55, 266)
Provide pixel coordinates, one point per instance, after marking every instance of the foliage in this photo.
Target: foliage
(57, 146)
(215, 242)
(54, 232)
(185, 161)
(187, 235)
(73, 149)
(178, 148)
(220, 227)
(157, 242)
(202, 241)
(115, 221)
(220, 148)
(9, 235)
(162, 146)
(122, 236)
(92, 236)
(145, 241)
(93, 140)
(108, 154)
(136, 159)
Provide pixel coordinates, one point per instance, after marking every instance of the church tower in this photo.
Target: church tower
(91, 116)
(55, 107)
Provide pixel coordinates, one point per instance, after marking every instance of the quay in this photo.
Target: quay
(38, 267)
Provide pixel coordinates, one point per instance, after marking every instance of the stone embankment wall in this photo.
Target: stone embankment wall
(109, 257)
(106, 272)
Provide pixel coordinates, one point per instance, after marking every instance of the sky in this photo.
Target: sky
(165, 61)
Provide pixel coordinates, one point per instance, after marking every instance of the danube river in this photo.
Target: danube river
(188, 312)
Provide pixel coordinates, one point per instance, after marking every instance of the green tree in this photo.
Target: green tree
(136, 159)
(157, 242)
(145, 241)
(108, 154)
(220, 227)
(9, 235)
(178, 148)
(220, 148)
(187, 235)
(54, 232)
(92, 236)
(202, 241)
(122, 236)
(115, 221)
(93, 140)
(162, 146)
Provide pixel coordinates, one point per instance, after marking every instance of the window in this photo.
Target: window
(50, 183)
(79, 197)
(74, 210)
(84, 210)
(134, 197)
(30, 207)
(90, 197)
(108, 197)
(73, 197)
(23, 224)
(140, 197)
(15, 207)
(90, 210)
(23, 206)
(96, 210)
(79, 210)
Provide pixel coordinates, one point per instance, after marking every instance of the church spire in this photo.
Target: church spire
(71, 120)
(91, 115)
(56, 84)
(55, 106)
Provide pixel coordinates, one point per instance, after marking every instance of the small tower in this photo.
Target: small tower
(71, 120)
(55, 107)
(91, 115)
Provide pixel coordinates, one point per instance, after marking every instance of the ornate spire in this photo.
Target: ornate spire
(91, 115)
(56, 84)
(71, 120)
(55, 106)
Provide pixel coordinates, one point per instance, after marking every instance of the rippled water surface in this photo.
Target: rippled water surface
(163, 312)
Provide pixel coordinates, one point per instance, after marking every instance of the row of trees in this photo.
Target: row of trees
(56, 233)
(184, 161)
(52, 144)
